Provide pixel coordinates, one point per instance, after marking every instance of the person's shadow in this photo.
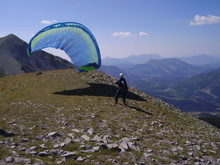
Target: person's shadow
(98, 90)
(140, 110)
(102, 90)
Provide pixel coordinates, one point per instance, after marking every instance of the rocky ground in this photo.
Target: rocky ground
(62, 117)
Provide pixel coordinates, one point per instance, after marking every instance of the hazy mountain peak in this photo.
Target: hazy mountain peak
(130, 60)
(14, 58)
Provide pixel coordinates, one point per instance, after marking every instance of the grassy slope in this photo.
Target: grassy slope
(62, 100)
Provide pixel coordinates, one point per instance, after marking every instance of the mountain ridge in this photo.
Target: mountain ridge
(202, 59)
(14, 58)
(66, 117)
(129, 61)
(167, 68)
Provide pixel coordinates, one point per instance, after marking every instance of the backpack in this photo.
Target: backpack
(123, 86)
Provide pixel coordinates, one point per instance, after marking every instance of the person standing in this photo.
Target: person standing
(122, 88)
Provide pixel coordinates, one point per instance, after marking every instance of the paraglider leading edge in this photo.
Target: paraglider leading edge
(74, 38)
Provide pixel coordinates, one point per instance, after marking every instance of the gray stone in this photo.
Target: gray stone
(85, 137)
(76, 140)
(42, 146)
(97, 138)
(147, 155)
(191, 153)
(126, 139)
(123, 146)
(22, 160)
(95, 148)
(25, 140)
(174, 149)
(106, 139)
(53, 134)
(62, 144)
(56, 145)
(114, 145)
(71, 135)
(27, 150)
(9, 159)
(39, 137)
(33, 148)
(149, 151)
(33, 153)
(80, 159)
(69, 154)
(82, 147)
(76, 130)
(214, 152)
(153, 123)
(63, 160)
(67, 141)
(12, 147)
(90, 131)
(38, 162)
(44, 153)
(134, 146)
(54, 152)
(88, 146)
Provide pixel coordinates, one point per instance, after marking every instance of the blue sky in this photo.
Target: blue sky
(170, 28)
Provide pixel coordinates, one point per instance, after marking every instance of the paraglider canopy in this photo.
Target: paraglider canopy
(74, 38)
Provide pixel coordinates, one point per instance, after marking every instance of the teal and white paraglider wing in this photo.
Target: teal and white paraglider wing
(74, 38)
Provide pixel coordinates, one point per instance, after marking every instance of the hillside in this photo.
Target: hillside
(14, 58)
(198, 94)
(64, 117)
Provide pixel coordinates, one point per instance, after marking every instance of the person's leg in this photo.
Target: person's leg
(124, 99)
(117, 94)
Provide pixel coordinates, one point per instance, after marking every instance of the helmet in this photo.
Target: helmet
(121, 75)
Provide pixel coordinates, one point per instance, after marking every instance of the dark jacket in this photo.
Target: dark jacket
(122, 84)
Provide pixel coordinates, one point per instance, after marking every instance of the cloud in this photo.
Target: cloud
(76, 5)
(122, 34)
(143, 34)
(201, 20)
(48, 21)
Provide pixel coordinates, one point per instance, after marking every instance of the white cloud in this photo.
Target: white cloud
(76, 5)
(143, 34)
(48, 21)
(201, 20)
(123, 34)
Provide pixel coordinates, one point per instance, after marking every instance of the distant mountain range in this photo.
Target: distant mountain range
(166, 68)
(129, 61)
(202, 60)
(14, 58)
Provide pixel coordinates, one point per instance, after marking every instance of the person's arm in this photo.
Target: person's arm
(117, 82)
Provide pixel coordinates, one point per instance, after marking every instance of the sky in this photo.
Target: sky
(169, 28)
